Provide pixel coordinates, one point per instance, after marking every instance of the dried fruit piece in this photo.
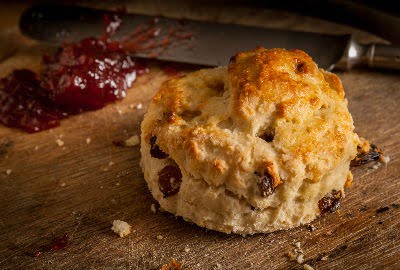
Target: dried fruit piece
(169, 180)
(266, 184)
(330, 202)
(268, 137)
(155, 150)
(363, 157)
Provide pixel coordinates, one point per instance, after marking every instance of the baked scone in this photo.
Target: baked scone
(261, 145)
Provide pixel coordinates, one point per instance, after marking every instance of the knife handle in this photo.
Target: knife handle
(373, 55)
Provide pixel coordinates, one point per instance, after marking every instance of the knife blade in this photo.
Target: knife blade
(206, 43)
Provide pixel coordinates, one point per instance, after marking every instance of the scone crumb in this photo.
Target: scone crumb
(324, 258)
(36, 147)
(8, 171)
(186, 249)
(110, 163)
(298, 254)
(139, 106)
(121, 228)
(88, 140)
(300, 258)
(308, 267)
(218, 265)
(60, 142)
(153, 208)
(160, 237)
(375, 166)
(63, 184)
(386, 159)
(130, 142)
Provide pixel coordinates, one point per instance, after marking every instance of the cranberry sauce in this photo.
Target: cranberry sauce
(24, 104)
(89, 74)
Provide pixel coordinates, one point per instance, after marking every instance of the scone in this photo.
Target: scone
(261, 145)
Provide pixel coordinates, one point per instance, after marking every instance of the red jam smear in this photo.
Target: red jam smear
(81, 76)
(26, 105)
(89, 74)
(55, 245)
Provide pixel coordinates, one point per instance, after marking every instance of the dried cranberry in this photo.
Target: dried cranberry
(169, 180)
(330, 202)
(268, 137)
(266, 184)
(300, 66)
(362, 157)
(155, 150)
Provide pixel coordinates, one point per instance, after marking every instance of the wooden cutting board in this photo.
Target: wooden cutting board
(81, 187)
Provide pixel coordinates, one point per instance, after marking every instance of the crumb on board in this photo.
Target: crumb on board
(130, 142)
(121, 228)
(36, 147)
(385, 159)
(375, 166)
(63, 184)
(298, 254)
(8, 171)
(324, 258)
(218, 265)
(153, 208)
(139, 106)
(59, 142)
(186, 249)
(160, 237)
(110, 163)
(173, 265)
(300, 258)
(307, 267)
(88, 140)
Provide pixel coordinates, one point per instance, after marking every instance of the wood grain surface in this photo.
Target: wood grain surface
(80, 188)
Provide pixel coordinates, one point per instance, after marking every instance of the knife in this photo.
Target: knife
(197, 42)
